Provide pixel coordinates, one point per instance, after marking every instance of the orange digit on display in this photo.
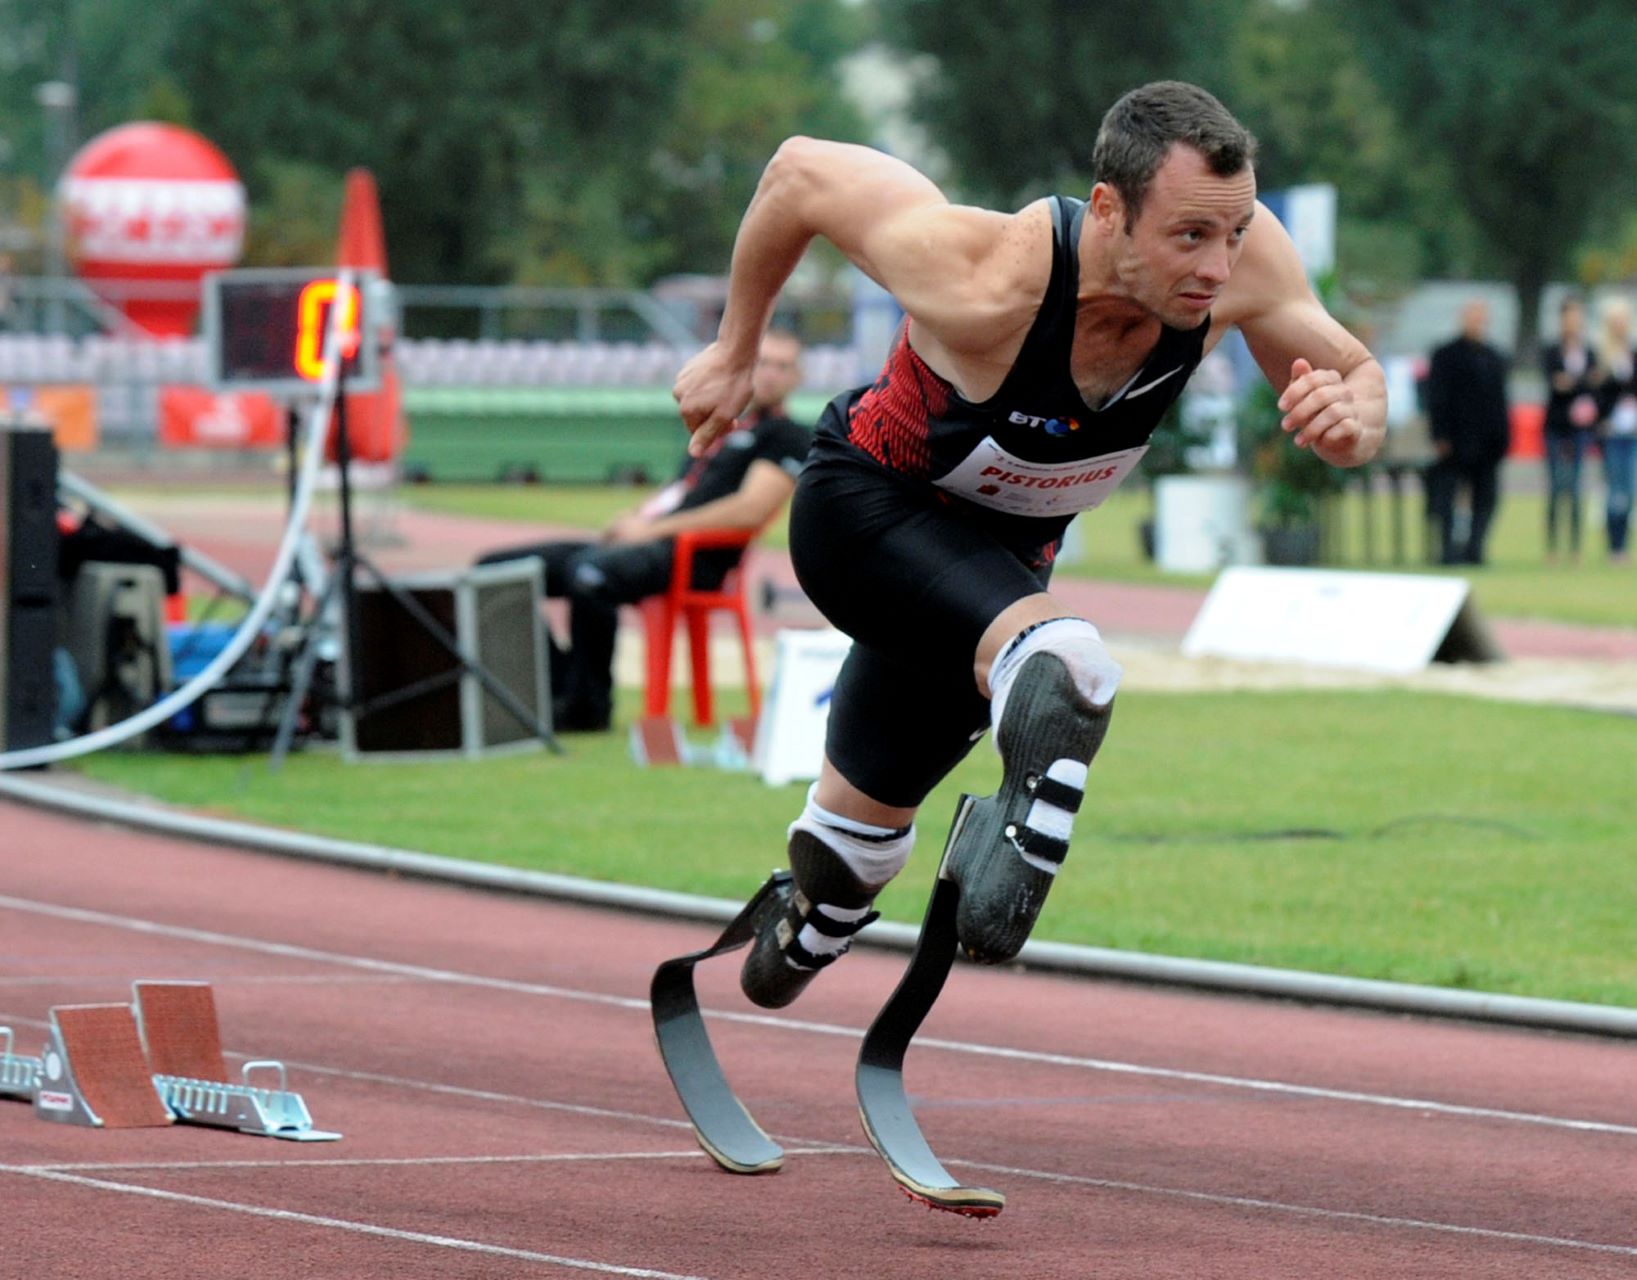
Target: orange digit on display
(311, 313)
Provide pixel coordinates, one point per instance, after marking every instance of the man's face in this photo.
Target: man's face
(1185, 241)
(1475, 320)
(777, 372)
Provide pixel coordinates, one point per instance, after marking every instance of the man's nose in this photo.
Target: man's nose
(1214, 265)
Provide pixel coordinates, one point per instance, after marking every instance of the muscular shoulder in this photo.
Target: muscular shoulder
(984, 274)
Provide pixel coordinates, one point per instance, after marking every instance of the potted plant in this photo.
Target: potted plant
(1292, 483)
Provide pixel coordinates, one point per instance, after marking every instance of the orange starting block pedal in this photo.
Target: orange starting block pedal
(184, 1052)
(657, 740)
(93, 1071)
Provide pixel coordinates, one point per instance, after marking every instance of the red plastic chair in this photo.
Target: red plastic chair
(685, 603)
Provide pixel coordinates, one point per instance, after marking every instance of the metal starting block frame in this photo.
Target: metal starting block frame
(265, 1113)
(180, 1034)
(19, 1074)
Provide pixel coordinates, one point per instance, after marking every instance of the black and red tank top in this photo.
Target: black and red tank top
(1034, 451)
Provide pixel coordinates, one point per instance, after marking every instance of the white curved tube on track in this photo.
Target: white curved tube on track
(313, 448)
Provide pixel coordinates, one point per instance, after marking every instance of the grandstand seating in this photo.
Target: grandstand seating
(424, 362)
(479, 409)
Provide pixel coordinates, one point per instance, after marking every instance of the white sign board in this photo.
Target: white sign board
(1389, 622)
(790, 734)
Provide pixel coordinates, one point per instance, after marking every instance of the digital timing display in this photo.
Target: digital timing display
(266, 330)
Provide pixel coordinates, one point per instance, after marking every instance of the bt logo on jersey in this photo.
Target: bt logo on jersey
(1051, 426)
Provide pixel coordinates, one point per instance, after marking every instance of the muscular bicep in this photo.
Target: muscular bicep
(1274, 307)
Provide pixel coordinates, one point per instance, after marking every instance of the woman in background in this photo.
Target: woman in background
(1617, 396)
(1571, 420)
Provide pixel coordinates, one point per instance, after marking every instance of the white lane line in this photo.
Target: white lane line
(345, 1162)
(817, 1028)
(346, 1224)
(1039, 1175)
(292, 952)
(1302, 1210)
(572, 1157)
(219, 979)
(810, 1146)
(1281, 1087)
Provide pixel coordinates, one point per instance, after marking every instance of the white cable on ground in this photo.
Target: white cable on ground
(318, 421)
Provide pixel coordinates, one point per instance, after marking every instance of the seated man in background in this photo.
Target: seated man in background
(741, 483)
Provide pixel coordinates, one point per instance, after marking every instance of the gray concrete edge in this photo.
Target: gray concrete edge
(1242, 979)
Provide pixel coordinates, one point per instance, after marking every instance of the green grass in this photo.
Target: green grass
(1517, 583)
(1448, 841)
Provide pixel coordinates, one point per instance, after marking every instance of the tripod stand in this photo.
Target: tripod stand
(340, 587)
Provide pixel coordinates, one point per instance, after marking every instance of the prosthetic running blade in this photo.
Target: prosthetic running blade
(720, 1122)
(889, 1123)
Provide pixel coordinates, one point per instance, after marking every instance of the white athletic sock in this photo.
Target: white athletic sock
(873, 854)
(1076, 642)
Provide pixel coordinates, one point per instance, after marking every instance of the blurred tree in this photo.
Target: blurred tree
(111, 51)
(447, 104)
(568, 142)
(1531, 108)
(1016, 98)
(759, 73)
(293, 220)
(755, 72)
(1299, 84)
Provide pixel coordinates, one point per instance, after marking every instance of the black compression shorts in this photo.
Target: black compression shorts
(915, 581)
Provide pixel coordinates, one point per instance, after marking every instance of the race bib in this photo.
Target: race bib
(992, 477)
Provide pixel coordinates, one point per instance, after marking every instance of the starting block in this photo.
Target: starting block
(93, 1071)
(184, 1052)
(19, 1074)
(658, 740)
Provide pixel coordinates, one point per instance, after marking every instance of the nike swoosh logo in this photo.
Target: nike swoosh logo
(1149, 386)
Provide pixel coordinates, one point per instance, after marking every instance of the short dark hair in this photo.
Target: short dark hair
(1140, 129)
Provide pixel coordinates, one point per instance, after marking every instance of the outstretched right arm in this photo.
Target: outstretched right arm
(889, 219)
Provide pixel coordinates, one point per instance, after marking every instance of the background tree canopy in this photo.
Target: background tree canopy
(590, 142)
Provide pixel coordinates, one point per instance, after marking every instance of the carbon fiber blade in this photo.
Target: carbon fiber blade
(889, 1123)
(724, 1128)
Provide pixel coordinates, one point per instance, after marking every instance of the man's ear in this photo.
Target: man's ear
(1107, 208)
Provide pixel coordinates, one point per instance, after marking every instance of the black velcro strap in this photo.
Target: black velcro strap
(1039, 845)
(830, 927)
(801, 956)
(1059, 794)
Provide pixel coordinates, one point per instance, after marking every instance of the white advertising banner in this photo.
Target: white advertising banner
(1388, 622)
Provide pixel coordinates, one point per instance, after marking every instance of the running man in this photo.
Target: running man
(1040, 350)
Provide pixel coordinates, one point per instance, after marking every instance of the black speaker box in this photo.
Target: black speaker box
(412, 697)
(28, 583)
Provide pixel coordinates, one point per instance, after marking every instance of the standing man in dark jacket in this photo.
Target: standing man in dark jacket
(1471, 430)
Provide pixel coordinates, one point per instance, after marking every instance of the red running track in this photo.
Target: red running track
(490, 1062)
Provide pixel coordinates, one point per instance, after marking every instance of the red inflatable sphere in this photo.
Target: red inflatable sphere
(148, 209)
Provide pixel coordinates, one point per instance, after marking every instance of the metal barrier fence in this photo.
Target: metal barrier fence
(478, 410)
